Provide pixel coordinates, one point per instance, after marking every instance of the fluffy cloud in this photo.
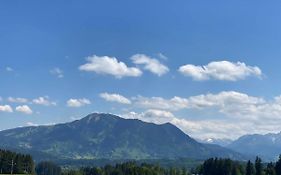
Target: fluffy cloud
(206, 128)
(226, 102)
(220, 70)
(150, 64)
(43, 101)
(110, 66)
(151, 115)
(115, 98)
(57, 72)
(6, 108)
(219, 114)
(78, 102)
(24, 109)
(17, 100)
(173, 104)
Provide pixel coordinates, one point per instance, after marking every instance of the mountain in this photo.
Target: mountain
(266, 146)
(221, 142)
(107, 136)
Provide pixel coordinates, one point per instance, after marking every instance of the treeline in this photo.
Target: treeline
(215, 166)
(47, 168)
(129, 168)
(14, 163)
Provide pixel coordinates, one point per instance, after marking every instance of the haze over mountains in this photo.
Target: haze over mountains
(221, 142)
(266, 146)
(107, 136)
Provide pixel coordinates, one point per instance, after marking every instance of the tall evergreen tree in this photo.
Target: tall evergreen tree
(270, 169)
(258, 166)
(278, 166)
(250, 168)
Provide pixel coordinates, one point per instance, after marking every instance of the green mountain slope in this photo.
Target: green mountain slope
(110, 137)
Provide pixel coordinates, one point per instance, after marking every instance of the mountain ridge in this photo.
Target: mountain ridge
(267, 146)
(100, 135)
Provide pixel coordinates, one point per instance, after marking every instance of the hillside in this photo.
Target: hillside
(106, 136)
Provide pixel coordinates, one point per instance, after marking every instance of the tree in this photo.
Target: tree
(278, 166)
(11, 162)
(270, 169)
(258, 166)
(47, 168)
(250, 168)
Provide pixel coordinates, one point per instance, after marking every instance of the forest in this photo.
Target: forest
(212, 166)
(215, 166)
(15, 163)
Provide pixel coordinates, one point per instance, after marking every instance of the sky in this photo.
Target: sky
(212, 68)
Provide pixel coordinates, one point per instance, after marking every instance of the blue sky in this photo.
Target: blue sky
(230, 87)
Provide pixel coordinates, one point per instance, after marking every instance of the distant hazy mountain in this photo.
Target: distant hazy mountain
(266, 146)
(221, 142)
(111, 137)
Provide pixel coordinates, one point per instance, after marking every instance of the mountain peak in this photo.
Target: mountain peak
(97, 117)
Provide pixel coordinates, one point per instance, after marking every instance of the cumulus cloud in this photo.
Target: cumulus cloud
(226, 102)
(109, 66)
(219, 113)
(152, 115)
(57, 72)
(220, 70)
(150, 64)
(24, 109)
(78, 102)
(115, 98)
(17, 100)
(44, 101)
(206, 128)
(6, 108)
(174, 104)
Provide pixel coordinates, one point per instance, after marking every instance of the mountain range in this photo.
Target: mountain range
(267, 146)
(221, 142)
(107, 136)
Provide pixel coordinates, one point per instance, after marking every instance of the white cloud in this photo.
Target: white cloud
(173, 104)
(151, 115)
(17, 100)
(227, 114)
(57, 72)
(1, 98)
(6, 108)
(150, 64)
(31, 124)
(220, 70)
(44, 101)
(205, 128)
(226, 102)
(110, 66)
(78, 102)
(115, 98)
(24, 109)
